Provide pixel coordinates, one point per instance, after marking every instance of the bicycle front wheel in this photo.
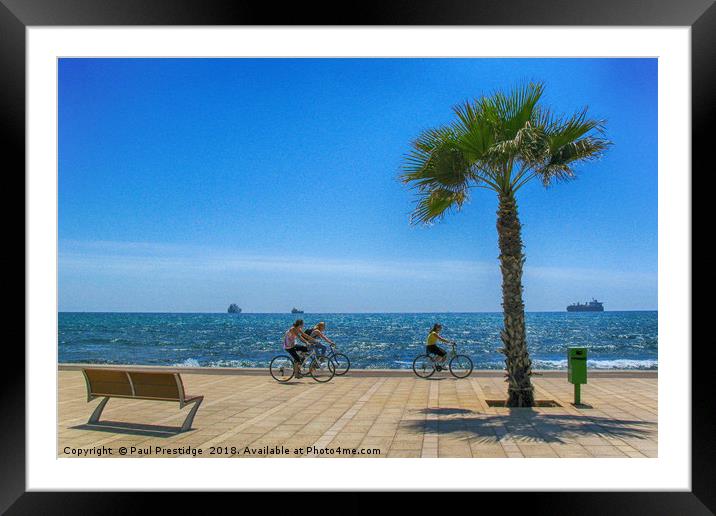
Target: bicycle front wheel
(423, 366)
(461, 366)
(321, 369)
(341, 363)
(281, 368)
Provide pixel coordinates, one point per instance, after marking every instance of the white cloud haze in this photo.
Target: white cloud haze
(145, 276)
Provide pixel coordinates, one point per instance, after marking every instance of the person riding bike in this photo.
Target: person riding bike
(317, 332)
(289, 344)
(431, 346)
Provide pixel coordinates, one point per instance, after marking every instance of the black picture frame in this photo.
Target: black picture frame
(17, 15)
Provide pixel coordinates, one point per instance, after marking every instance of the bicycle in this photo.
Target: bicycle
(320, 367)
(460, 366)
(341, 363)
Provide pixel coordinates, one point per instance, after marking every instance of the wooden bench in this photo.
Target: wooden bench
(138, 385)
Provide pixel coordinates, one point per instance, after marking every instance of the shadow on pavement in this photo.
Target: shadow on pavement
(116, 427)
(524, 424)
(446, 411)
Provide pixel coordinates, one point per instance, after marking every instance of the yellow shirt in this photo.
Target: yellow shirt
(432, 338)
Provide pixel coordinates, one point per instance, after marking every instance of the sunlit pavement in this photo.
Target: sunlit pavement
(250, 415)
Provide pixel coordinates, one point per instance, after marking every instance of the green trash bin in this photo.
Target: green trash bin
(577, 370)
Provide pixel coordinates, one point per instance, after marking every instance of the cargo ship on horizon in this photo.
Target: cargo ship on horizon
(592, 306)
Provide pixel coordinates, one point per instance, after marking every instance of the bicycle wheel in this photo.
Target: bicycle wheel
(423, 366)
(321, 369)
(341, 363)
(281, 368)
(461, 366)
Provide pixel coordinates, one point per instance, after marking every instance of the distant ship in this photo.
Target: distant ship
(234, 309)
(296, 311)
(592, 306)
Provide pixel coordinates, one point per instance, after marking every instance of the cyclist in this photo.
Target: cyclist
(432, 347)
(317, 332)
(289, 344)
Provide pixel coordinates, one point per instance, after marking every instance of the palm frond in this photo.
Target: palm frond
(499, 129)
(475, 134)
(440, 171)
(436, 162)
(562, 130)
(529, 145)
(512, 111)
(559, 166)
(436, 204)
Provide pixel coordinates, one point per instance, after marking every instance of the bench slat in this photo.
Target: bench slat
(105, 382)
(155, 385)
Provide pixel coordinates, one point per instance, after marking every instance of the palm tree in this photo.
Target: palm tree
(501, 142)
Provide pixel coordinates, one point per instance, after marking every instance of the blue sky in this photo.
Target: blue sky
(188, 184)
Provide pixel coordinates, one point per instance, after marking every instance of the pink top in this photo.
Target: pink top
(289, 340)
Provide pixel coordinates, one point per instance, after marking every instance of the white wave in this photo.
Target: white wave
(621, 363)
(189, 362)
(233, 363)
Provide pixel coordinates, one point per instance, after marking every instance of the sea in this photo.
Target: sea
(615, 340)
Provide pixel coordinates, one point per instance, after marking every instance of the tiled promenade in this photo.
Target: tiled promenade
(388, 416)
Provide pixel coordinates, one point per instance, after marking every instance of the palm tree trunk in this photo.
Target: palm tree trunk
(517, 359)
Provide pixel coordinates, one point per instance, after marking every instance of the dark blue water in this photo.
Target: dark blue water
(616, 340)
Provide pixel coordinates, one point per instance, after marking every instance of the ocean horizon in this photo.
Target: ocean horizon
(614, 339)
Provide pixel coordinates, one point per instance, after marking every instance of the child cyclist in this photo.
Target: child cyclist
(289, 344)
(432, 347)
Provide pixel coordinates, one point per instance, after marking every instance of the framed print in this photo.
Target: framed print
(415, 249)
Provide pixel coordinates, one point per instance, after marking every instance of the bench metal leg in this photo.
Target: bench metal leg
(94, 418)
(190, 417)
